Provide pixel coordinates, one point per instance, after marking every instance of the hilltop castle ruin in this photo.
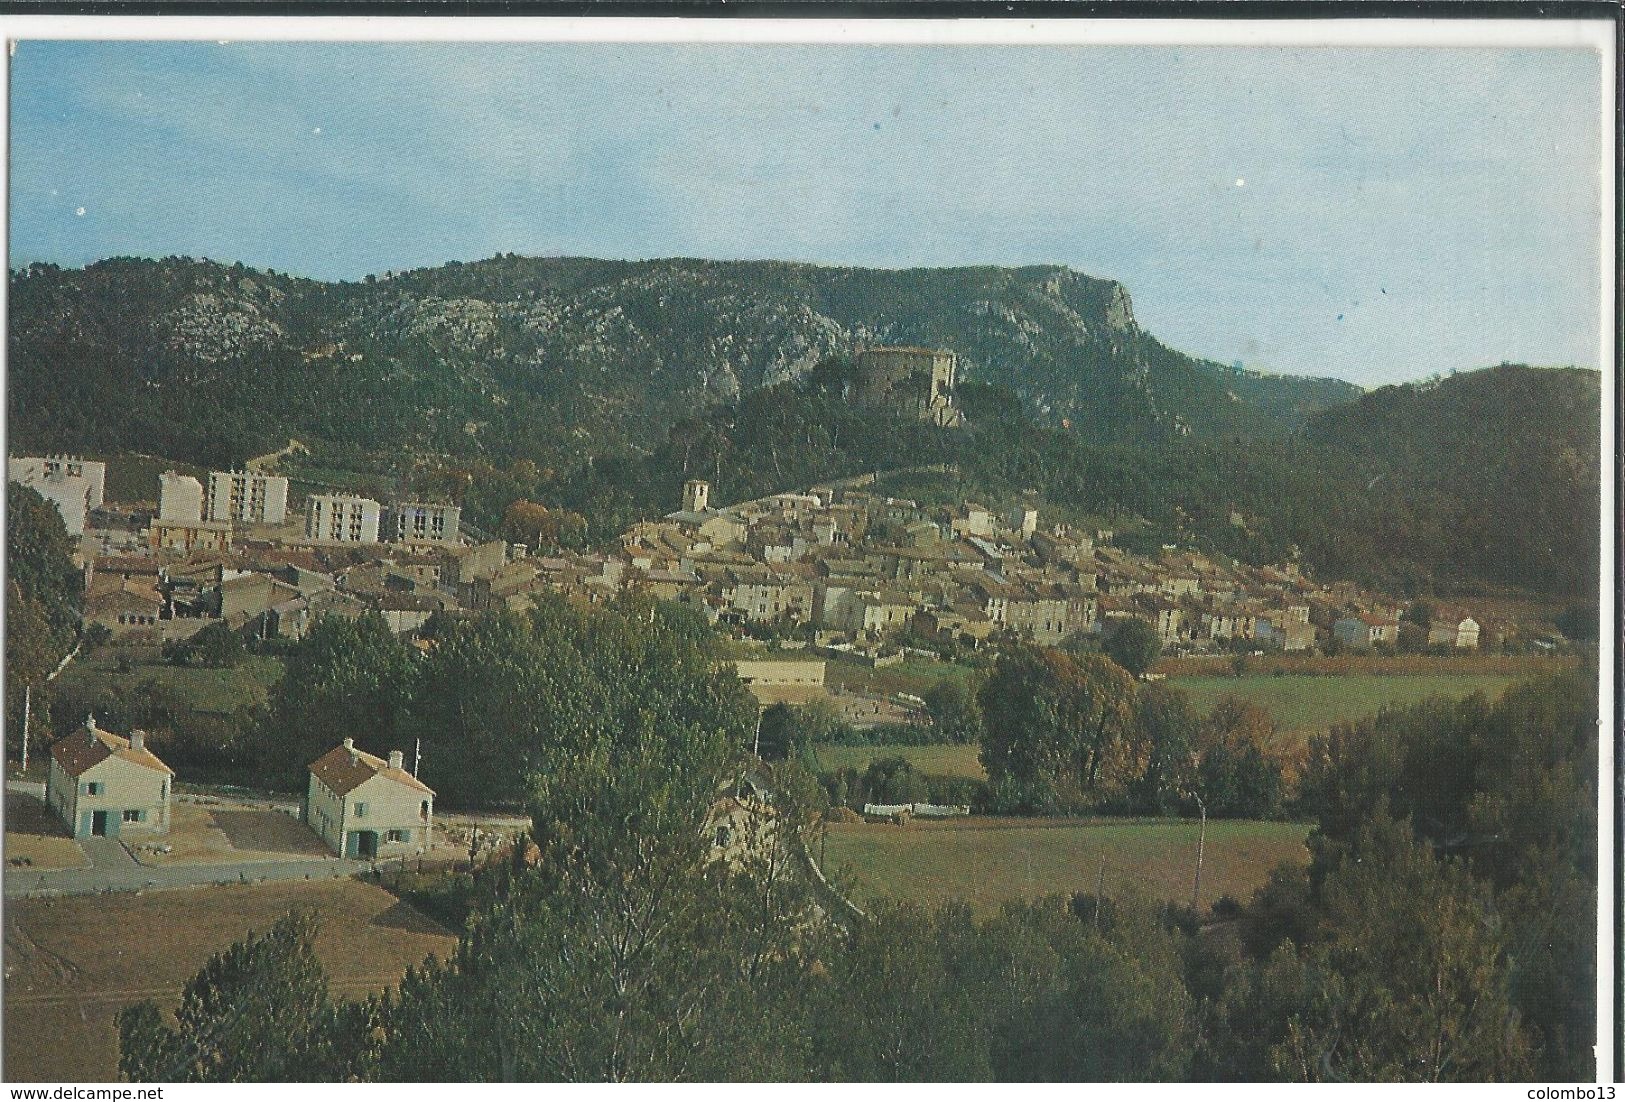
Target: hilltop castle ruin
(918, 381)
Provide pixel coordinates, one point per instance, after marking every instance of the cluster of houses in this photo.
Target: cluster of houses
(104, 785)
(854, 570)
(839, 566)
(226, 548)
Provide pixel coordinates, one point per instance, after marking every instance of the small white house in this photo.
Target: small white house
(1456, 633)
(365, 807)
(105, 786)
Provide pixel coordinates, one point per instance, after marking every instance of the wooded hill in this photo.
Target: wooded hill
(599, 386)
(202, 358)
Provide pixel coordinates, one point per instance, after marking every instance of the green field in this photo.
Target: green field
(1306, 705)
(937, 760)
(104, 673)
(985, 862)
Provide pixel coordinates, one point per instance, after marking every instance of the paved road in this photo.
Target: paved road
(134, 877)
(113, 869)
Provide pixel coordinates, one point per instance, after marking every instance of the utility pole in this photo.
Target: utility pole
(1100, 886)
(417, 754)
(756, 748)
(27, 695)
(1201, 843)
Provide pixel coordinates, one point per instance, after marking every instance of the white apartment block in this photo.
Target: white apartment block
(421, 522)
(180, 498)
(71, 466)
(74, 495)
(247, 497)
(341, 518)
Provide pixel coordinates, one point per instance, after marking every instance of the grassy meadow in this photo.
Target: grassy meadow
(986, 862)
(1304, 705)
(936, 760)
(912, 676)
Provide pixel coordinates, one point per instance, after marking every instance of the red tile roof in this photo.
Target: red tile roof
(89, 746)
(343, 770)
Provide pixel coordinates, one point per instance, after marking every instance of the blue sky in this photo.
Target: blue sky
(1373, 214)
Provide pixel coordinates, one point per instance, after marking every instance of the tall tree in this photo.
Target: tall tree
(1409, 980)
(43, 599)
(955, 713)
(627, 950)
(1073, 999)
(1133, 644)
(1060, 732)
(500, 693)
(1169, 725)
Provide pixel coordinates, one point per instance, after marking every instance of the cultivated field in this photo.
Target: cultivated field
(986, 862)
(936, 760)
(72, 963)
(1306, 705)
(1372, 665)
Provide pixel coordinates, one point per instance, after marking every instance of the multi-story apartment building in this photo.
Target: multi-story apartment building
(74, 486)
(180, 524)
(180, 498)
(341, 518)
(424, 522)
(61, 467)
(246, 497)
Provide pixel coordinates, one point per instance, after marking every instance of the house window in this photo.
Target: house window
(423, 810)
(134, 815)
(397, 836)
(361, 810)
(94, 788)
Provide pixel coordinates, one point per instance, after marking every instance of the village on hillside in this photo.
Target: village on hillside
(838, 567)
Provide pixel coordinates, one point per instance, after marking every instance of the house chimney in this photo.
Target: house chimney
(349, 744)
(397, 759)
(138, 740)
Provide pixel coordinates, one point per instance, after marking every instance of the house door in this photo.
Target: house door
(368, 844)
(98, 823)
